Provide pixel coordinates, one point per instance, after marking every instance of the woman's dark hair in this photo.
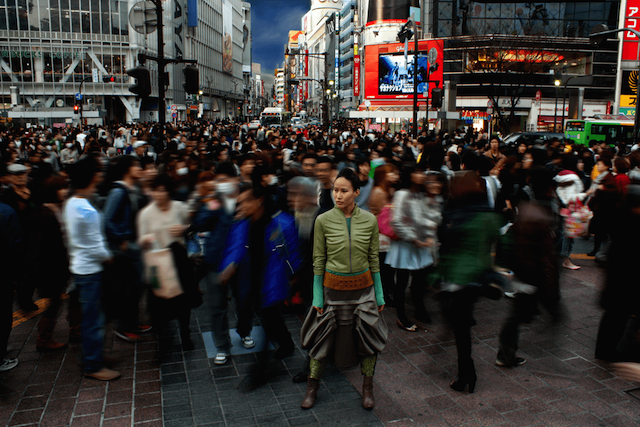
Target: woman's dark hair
(606, 161)
(350, 175)
(122, 166)
(454, 159)
(162, 180)
(621, 164)
(83, 171)
(570, 162)
(405, 176)
(226, 168)
(257, 192)
(50, 188)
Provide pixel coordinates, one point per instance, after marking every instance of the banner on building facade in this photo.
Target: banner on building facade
(192, 13)
(628, 93)
(227, 37)
(356, 74)
(630, 42)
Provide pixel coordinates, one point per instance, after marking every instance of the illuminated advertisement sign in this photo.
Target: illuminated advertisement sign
(630, 42)
(395, 75)
(628, 92)
(389, 76)
(356, 75)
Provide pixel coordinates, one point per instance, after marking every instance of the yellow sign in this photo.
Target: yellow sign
(628, 100)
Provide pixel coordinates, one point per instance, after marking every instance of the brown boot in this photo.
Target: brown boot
(312, 393)
(367, 393)
(45, 342)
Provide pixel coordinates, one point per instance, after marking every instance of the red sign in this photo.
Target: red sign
(538, 95)
(630, 43)
(388, 76)
(356, 75)
(306, 68)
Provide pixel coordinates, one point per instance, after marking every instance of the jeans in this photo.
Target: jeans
(218, 298)
(90, 287)
(567, 247)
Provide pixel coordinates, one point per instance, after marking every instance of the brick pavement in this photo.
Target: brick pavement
(560, 385)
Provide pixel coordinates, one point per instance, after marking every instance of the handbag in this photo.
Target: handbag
(162, 274)
(576, 218)
(384, 222)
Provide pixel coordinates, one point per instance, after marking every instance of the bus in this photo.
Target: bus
(608, 130)
(275, 117)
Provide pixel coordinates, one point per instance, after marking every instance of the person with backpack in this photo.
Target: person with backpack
(124, 277)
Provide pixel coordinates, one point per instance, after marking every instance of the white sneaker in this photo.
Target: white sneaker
(248, 342)
(8, 364)
(221, 358)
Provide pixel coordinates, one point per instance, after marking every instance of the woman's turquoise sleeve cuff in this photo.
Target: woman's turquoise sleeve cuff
(377, 286)
(318, 291)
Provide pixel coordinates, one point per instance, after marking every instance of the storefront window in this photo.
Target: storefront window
(3, 14)
(48, 67)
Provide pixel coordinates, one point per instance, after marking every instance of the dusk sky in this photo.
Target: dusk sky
(271, 21)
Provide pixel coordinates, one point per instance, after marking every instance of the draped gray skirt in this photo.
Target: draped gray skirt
(349, 329)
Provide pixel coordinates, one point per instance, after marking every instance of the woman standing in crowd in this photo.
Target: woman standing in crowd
(52, 261)
(345, 325)
(415, 221)
(385, 179)
(470, 231)
(162, 225)
(570, 190)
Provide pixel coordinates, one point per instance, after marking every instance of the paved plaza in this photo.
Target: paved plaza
(560, 385)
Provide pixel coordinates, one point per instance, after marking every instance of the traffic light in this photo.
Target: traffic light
(108, 79)
(597, 40)
(405, 33)
(142, 88)
(77, 109)
(436, 97)
(191, 79)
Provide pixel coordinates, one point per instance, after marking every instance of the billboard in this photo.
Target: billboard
(227, 37)
(388, 75)
(390, 11)
(628, 92)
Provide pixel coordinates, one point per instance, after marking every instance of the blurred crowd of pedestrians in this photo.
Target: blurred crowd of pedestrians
(135, 223)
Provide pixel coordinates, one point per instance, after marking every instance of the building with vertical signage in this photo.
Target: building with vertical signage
(347, 56)
(319, 27)
(78, 51)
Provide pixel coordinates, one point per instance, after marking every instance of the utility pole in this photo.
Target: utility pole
(162, 110)
(415, 82)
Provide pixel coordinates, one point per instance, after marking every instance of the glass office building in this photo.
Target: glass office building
(493, 48)
(52, 50)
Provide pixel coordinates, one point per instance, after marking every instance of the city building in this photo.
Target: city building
(279, 87)
(55, 56)
(319, 46)
(517, 65)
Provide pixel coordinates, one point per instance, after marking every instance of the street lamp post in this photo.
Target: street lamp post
(555, 110)
(564, 98)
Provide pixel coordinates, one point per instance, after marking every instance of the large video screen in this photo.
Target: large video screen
(396, 75)
(388, 75)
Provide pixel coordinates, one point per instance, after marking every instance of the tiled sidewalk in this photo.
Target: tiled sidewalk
(50, 390)
(560, 385)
